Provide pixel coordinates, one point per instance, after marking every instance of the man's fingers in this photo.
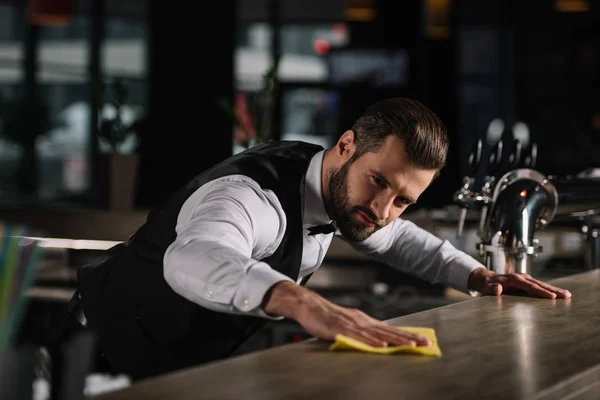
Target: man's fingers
(366, 337)
(387, 336)
(377, 333)
(498, 289)
(531, 286)
(562, 293)
(492, 289)
(398, 337)
(510, 282)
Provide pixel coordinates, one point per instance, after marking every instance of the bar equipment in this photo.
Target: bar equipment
(516, 201)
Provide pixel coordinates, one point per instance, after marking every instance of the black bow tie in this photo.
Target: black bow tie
(325, 229)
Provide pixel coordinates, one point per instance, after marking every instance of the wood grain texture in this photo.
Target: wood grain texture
(507, 347)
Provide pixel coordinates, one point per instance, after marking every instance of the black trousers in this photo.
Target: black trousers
(66, 351)
(131, 348)
(73, 320)
(125, 347)
(128, 346)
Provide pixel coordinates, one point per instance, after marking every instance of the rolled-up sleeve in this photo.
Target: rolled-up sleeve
(223, 229)
(415, 251)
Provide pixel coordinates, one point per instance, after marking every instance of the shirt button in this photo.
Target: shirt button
(209, 293)
(246, 303)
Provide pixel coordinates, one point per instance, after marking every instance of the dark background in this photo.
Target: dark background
(470, 61)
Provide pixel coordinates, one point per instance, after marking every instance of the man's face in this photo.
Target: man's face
(373, 190)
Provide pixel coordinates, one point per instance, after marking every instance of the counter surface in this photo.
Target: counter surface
(508, 347)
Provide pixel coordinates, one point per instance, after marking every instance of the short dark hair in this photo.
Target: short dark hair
(422, 132)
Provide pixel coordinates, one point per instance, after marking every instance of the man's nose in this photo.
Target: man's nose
(381, 208)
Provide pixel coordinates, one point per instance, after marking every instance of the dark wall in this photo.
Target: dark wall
(190, 66)
(431, 74)
(528, 61)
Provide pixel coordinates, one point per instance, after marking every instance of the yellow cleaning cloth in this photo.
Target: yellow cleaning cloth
(343, 342)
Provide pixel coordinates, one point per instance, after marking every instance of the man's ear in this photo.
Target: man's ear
(346, 146)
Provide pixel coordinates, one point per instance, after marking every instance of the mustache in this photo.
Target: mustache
(369, 214)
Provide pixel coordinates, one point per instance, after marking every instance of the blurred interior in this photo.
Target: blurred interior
(490, 69)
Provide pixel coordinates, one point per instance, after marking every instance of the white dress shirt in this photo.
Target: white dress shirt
(230, 223)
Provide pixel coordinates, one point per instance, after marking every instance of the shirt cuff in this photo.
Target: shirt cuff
(252, 290)
(461, 268)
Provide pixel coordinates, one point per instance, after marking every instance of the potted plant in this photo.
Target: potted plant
(252, 113)
(118, 158)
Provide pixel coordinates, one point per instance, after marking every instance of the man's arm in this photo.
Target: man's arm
(413, 250)
(324, 319)
(223, 229)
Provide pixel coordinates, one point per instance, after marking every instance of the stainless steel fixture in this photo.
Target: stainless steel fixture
(522, 201)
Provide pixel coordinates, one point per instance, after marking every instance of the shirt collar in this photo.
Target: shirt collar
(314, 206)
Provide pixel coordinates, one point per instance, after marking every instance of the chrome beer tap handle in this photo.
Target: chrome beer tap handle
(530, 159)
(489, 182)
(514, 157)
(465, 196)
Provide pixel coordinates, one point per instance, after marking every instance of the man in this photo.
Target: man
(234, 247)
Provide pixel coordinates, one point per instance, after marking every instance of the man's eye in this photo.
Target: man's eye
(379, 182)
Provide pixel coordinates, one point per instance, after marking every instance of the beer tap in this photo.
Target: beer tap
(493, 171)
(465, 196)
(517, 201)
(514, 157)
(530, 159)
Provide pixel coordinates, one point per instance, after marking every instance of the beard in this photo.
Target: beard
(343, 212)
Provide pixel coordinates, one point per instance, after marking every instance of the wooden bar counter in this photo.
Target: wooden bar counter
(508, 347)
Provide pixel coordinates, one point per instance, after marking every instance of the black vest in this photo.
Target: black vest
(128, 284)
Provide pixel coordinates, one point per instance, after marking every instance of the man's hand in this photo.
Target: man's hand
(489, 283)
(324, 319)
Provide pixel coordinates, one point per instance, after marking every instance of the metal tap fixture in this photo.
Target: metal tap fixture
(489, 182)
(523, 202)
(591, 231)
(465, 196)
(520, 202)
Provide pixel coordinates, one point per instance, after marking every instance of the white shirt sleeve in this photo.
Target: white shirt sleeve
(223, 228)
(411, 249)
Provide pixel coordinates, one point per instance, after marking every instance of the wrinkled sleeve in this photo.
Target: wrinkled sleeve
(410, 249)
(223, 229)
